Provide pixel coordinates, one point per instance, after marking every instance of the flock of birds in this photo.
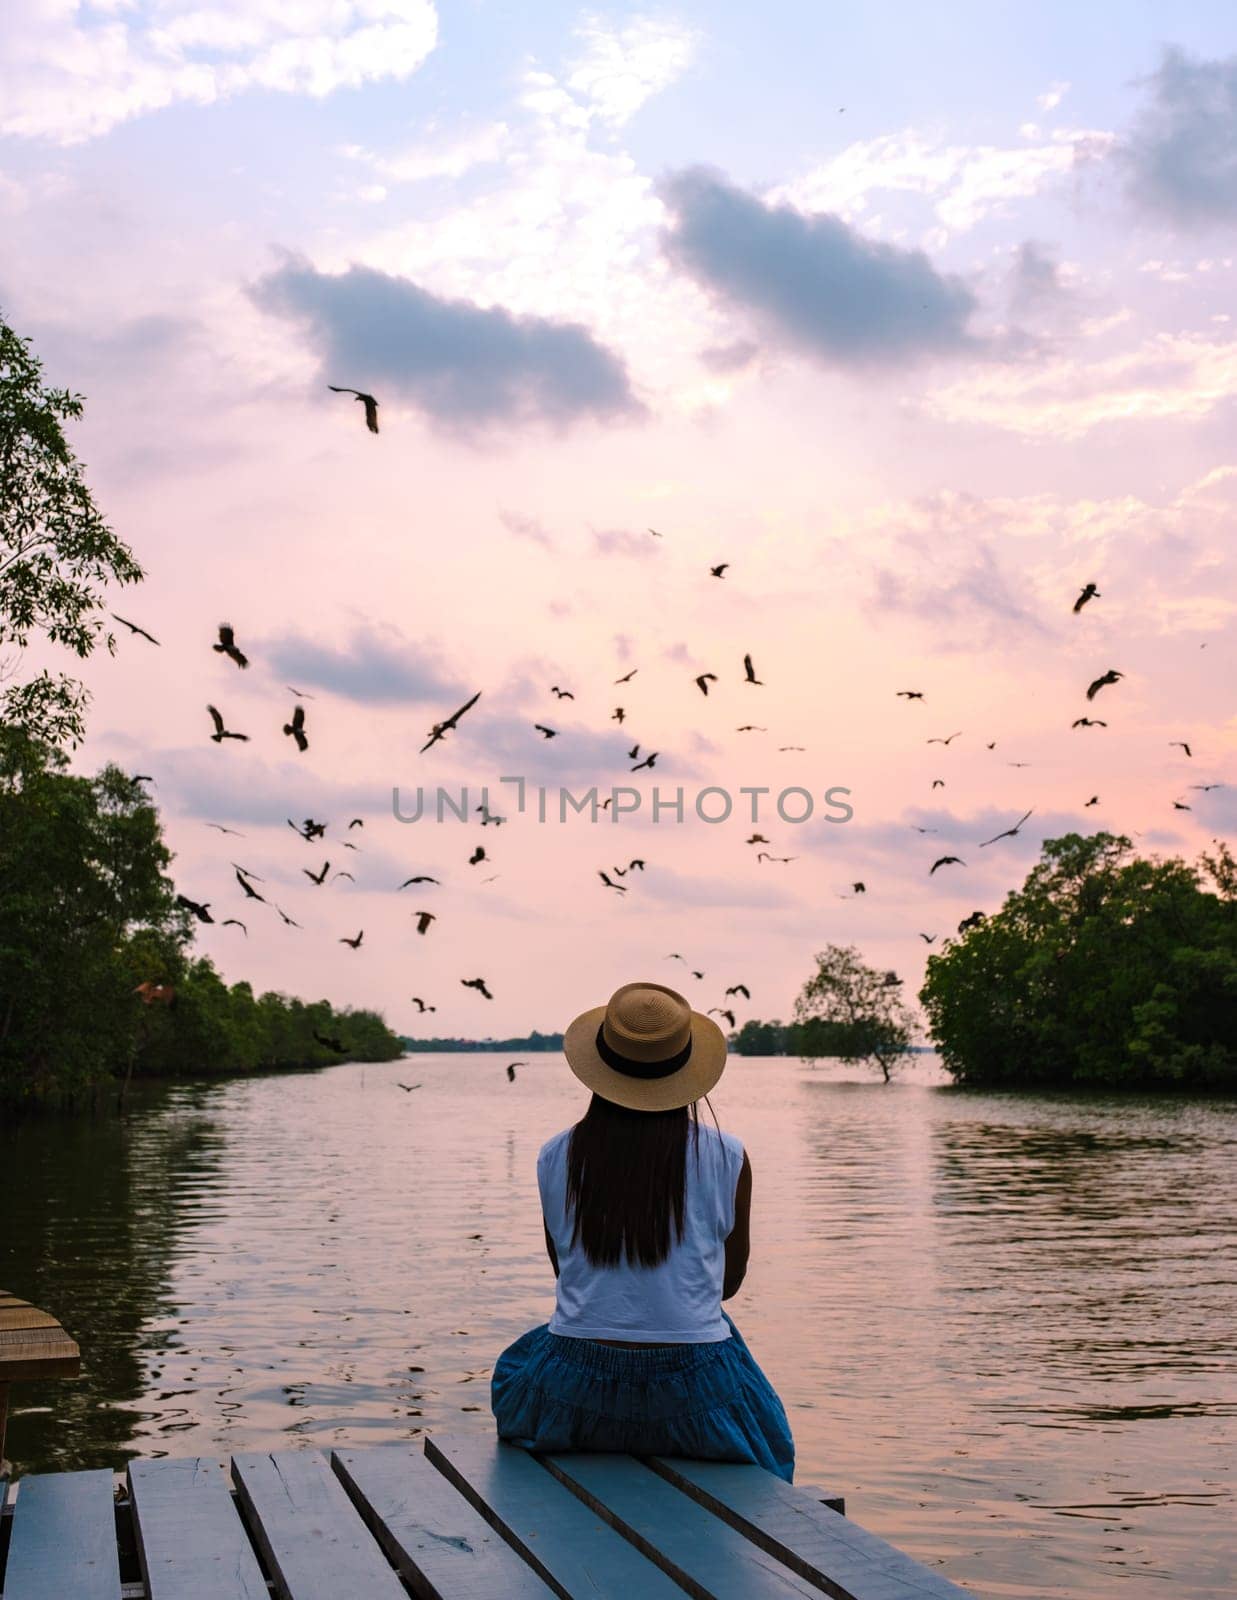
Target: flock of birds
(612, 876)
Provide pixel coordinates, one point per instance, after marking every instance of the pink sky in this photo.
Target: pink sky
(913, 509)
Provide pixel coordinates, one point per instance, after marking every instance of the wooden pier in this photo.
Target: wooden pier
(446, 1518)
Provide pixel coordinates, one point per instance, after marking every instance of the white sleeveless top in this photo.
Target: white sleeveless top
(677, 1302)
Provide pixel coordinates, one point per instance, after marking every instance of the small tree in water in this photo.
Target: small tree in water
(866, 1014)
(56, 551)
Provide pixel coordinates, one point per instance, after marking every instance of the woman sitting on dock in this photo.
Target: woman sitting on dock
(639, 1356)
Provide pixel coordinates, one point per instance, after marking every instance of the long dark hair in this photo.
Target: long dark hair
(626, 1178)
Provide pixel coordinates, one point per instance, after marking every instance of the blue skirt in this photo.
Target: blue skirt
(711, 1401)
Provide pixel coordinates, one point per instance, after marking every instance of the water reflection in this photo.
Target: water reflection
(1002, 1326)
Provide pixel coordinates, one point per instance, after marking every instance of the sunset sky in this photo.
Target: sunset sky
(918, 317)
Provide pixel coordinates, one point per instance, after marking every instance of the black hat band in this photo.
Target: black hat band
(641, 1069)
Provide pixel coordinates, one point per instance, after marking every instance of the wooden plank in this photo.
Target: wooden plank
(827, 1497)
(843, 1559)
(63, 1538)
(697, 1549)
(26, 1317)
(435, 1536)
(575, 1551)
(190, 1537)
(314, 1542)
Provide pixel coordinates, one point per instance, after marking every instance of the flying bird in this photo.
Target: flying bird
(227, 646)
(234, 922)
(918, 829)
(749, 671)
(477, 855)
(763, 855)
(1093, 801)
(201, 912)
(421, 1006)
(675, 956)
(792, 747)
(627, 677)
(1111, 676)
(487, 816)
(367, 400)
(354, 943)
(1206, 786)
(563, 694)
(288, 922)
(357, 822)
(550, 733)
(944, 861)
(1180, 805)
(299, 693)
(1009, 832)
(928, 938)
(424, 918)
(938, 783)
(133, 627)
(478, 984)
(722, 1011)
(1089, 592)
(950, 740)
(740, 988)
(408, 1087)
(718, 571)
(440, 729)
(910, 694)
(422, 877)
(750, 727)
(309, 829)
(221, 733)
(222, 829)
(617, 715)
(973, 921)
(704, 680)
(341, 874)
(655, 534)
(320, 877)
(1087, 722)
(647, 762)
(328, 1043)
(250, 892)
(1181, 745)
(610, 884)
(511, 1066)
(296, 728)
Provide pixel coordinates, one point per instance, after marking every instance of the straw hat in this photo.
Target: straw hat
(646, 1049)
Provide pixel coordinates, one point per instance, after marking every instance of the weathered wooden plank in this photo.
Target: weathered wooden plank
(828, 1497)
(190, 1537)
(790, 1523)
(26, 1317)
(63, 1538)
(696, 1548)
(313, 1539)
(435, 1536)
(575, 1551)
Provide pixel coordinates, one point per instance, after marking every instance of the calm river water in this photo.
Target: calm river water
(1003, 1326)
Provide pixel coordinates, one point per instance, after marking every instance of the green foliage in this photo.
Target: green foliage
(860, 1007)
(1103, 970)
(532, 1041)
(56, 551)
(87, 912)
(809, 1040)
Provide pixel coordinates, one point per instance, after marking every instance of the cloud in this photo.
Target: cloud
(1035, 279)
(450, 158)
(195, 783)
(71, 72)
(622, 542)
(676, 889)
(1180, 158)
(462, 365)
(526, 528)
(370, 669)
(811, 281)
(731, 357)
(964, 583)
(1052, 96)
(617, 70)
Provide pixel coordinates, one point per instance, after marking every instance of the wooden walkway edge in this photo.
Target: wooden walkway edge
(446, 1518)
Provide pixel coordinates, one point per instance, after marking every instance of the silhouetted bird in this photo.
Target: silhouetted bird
(647, 762)
(1206, 786)
(234, 922)
(442, 728)
(750, 727)
(288, 922)
(357, 822)
(407, 1087)
(487, 816)
(250, 892)
(549, 733)
(792, 747)
(721, 1011)
(300, 693)
(749, 671)
(718, 571)
(478, 984)
(617, 715)
(221, 733)
(133, 628)
(421, 1006)
(320, 877)
(354, 943)
(1181, 745)
(511, 1066)
(421, 877)
(627, 677)
(928, 938)
(740, 988)
(763, 855)
(1009, 833)
(477, 855)
(973, 921)
(1093, 801)
(938, 783)
(309, 829)
(424, 918)
(1111, 676)
(1089, 592)
(296, 728)
(201, 912)
(227, 646)
(633, 752)
(918, 829)
(220, 827)
(1087, 722)
(367, 400)
(1180, 805)
(944, 861)
(950, 740)
(756, 838)
(610, 884)
(562, 694)
(342, 874)
(910, 694)
(704, 680)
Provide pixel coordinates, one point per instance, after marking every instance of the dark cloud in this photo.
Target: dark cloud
(462, 365)
(811, 280)
(730, 357)
(371, 669)
(969, 590)
(1180, 158)
(196, 783)
(1035, 279)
